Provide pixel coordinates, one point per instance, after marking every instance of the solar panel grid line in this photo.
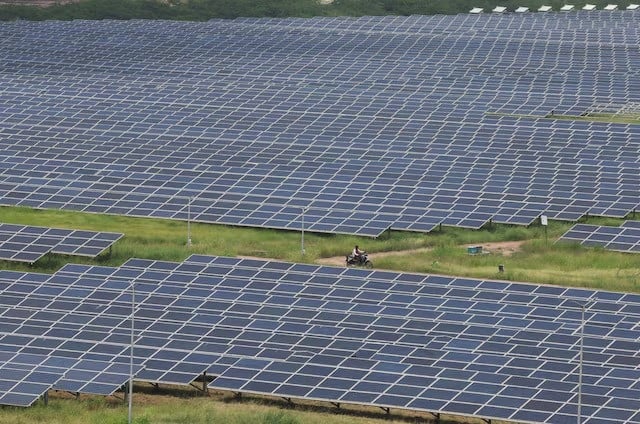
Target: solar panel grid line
(625, 238)
(31, 243)
(408, 281)
(600, 358)
(77, 375)
(159, 275)
(264, 319)
(602, 208)
(582, 211)
(24, 379)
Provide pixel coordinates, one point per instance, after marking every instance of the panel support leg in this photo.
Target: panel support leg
(436, 416)
(386, 410)
(336, 404)
(205, 388)
(45, 398)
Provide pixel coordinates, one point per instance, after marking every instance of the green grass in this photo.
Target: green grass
(219, 408)
(565, 264)
(166, 239)
(537, 261)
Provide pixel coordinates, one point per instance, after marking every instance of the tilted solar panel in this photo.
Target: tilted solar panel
(438, 136)
(375, 329)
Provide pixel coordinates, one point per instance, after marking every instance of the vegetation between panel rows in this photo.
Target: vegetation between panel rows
(538, 259)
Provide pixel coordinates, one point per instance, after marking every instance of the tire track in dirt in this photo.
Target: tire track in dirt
(505, 248)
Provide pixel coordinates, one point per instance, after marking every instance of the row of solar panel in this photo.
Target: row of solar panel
(448, 135)
(625, 238)
(255, 67)
(447, 23)
(249, 84)
(232, 201)
(188, 335)
(600, 318)
(399, 302)
(28, 243)
(432, 104)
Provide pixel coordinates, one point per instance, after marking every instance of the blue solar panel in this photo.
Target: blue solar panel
(28, 243)
(625, 238)
(374, 323)
(436, 138)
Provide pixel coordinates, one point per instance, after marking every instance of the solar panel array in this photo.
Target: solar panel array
(23, 243)
(369, 123)
(625, 238)
(483, 348)
(36, 355)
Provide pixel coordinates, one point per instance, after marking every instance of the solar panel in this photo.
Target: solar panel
(28, 243)
(437, 138)
(625, 238)
(24, 378)
(631, 224)
(24, 247)
(280, 328)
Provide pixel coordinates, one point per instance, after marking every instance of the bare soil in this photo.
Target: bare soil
(504, 248)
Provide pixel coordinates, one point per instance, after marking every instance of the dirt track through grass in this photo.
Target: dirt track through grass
(505, 248)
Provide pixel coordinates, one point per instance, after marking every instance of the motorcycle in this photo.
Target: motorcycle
(362, 260)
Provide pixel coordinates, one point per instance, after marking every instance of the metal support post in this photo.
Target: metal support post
(304, 210)
(288, 400)
(133, 313)
(582, 307)
(189, 223)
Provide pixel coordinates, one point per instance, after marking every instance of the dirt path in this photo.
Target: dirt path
(504, 248)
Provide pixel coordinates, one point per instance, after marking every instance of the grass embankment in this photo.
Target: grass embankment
(537, 260)
(182, 407)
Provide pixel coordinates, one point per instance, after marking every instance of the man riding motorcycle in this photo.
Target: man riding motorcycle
(358, 257)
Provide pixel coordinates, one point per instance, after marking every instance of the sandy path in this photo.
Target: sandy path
(505, 248)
